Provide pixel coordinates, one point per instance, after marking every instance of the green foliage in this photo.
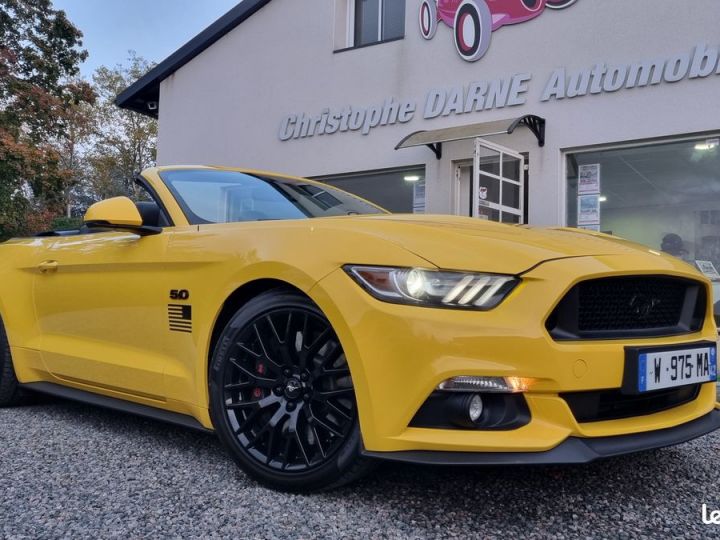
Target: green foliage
(66, 223)
(40, 51)
(125, 140)
(64, 144)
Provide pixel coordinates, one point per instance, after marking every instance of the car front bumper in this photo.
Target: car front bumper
(399, 354)
(573, 450)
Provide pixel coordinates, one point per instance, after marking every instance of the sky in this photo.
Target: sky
(152, 28)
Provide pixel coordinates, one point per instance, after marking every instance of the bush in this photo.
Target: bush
(66, 223)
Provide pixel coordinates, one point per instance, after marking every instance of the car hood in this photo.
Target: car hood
(471, 244)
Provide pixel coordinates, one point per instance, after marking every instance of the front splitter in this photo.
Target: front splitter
(572, 450)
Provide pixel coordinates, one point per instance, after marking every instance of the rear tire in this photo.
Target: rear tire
(472, 29)
(282, 399)
(9, 390)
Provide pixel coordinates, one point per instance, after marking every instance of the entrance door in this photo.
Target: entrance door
(463, 188)
(498, 183)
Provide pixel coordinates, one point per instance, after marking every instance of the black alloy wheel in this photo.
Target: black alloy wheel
(282, 397)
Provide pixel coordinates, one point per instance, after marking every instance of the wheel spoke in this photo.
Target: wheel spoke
(249, 350)
(238, 386)
(263, 403)
(269, 426)
(338, 410)
(298, 347)
(302, 447)
(286, 452)
(336, 372)
(310, 420)
(247, 422)
(274, 330)
(329, 358)
(242, 405)
(260, 341)
(318, 443)
(326, 427)
(262, 382)
(330, 394)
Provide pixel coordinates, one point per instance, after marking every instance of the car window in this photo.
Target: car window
(149, 205)
(215, 196)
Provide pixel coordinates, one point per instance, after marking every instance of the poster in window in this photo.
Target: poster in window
(419, 197)
(595, 227)
(589, 179)
(589, 210)
(708, 268)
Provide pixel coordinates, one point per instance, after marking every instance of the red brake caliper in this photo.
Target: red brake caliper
(257, 392)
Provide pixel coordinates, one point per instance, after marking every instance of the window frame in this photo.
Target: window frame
(351, 42)
(623, 145)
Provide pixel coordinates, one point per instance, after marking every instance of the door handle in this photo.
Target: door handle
(48, 266)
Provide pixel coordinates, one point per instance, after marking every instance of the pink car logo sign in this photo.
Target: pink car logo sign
(474, 21)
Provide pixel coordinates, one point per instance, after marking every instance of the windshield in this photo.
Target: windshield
(217, 196)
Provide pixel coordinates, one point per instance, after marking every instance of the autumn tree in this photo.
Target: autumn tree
(40, 54)
(125, 141)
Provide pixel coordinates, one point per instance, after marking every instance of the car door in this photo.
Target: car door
(101, 303)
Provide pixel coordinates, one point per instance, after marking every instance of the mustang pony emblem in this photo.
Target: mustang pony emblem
(643, 306)
(474, 21)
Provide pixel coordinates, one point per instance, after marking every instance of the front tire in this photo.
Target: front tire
(472, 29)
(9, 389)
(281, 396)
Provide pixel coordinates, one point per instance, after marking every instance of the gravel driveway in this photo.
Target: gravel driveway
(67, 470)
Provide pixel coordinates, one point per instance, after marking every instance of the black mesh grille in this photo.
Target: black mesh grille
(619, 304)
(601, 405)
(635, 306)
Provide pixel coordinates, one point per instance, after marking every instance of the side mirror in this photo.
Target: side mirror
(118, 213)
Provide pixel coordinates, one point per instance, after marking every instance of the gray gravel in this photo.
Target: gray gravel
(69, 471)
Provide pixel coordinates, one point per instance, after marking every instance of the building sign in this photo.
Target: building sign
(479, 96)
(474, 21)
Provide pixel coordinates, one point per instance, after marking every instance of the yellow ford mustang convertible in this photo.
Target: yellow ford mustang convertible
(316, 333)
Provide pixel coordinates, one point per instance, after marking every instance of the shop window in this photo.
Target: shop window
(665, 195)
(396, 190)
(376, 21)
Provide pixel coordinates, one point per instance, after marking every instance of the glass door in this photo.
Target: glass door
(498, 192)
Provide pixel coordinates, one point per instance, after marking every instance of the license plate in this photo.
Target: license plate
(661, 369)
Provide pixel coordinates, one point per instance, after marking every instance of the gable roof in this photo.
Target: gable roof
(143, 96)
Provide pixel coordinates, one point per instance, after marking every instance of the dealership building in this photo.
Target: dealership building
(599, 114)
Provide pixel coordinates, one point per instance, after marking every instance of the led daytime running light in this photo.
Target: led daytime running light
(471, 383)
(433, 288)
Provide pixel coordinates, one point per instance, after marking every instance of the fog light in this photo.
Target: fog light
(468, 383)
(475, 408)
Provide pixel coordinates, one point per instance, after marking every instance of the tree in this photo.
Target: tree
(40, 52)
(125, 141)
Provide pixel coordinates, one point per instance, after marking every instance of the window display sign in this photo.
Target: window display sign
(708, 268)
(419, 197)
(589, 179)
(589, 210)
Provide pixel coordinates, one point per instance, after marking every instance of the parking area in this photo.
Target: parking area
(67, 470)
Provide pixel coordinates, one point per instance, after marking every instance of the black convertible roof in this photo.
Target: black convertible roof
(143, 96)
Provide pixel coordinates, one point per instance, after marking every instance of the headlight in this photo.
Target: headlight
(433, 288)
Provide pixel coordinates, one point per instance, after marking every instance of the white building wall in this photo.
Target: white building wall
(226, 105)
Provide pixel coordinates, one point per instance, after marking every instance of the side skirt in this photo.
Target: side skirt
(114, 404)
